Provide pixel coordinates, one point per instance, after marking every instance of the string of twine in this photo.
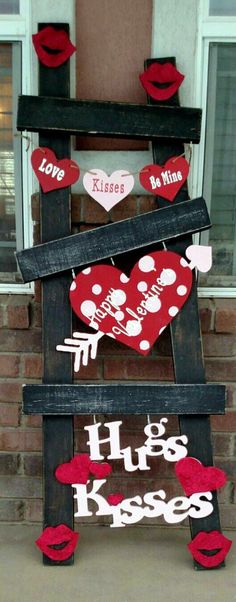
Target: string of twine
(134, 173)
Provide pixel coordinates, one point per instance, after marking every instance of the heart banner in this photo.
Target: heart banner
(165, 180)
(134, 310)
(51, 172)
(108, 190)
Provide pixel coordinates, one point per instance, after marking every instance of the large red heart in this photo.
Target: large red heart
(194, 477)
(165, 180)
(133, 310)
(51, 172)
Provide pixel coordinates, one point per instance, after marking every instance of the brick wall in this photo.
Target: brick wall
(21, 362)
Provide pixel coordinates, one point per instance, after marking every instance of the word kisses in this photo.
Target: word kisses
(131, 511)
(167, 177)
(101, 186)
(172, 448)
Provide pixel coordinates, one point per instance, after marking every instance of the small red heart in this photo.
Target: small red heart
(75, 471)
(51, 172)
(115, 498)
(165, 180)
(196, 478)
(100, 471)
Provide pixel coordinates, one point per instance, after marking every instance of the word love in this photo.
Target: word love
(165, 181)
(134, 310)
(108, 190)
(53, 173)
(132, 510)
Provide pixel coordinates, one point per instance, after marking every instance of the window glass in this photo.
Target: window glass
(219, 187)
(219, 8)
(10, 161)
(9, 7)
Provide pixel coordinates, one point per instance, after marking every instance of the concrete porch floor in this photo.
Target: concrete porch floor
(112, 565)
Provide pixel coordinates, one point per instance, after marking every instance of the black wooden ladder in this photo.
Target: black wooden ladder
(55, 117)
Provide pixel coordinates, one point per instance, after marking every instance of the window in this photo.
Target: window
(14, 197)
(10, 161)
(217, 155)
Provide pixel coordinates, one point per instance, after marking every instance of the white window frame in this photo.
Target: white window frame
(17, 28)
(211, 29)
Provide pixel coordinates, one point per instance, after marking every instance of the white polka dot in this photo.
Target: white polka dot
(144, 345)
(110, 334)
(146, 264)
(153, 304)
(173, 310)
(88, 308)
(119, 315)
(182, 290)
(142, 286)
(73, 286)
(161, 329)
(96, 289)
(118, 297)
(167, 277)
(133, 328)
(183, 262)
(124, 278)
(86, 271)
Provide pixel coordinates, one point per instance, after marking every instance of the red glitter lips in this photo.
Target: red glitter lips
(161, 74)
(61, 536)
(53, 46)
(213, 541)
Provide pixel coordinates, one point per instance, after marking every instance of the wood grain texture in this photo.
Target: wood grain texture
(55, 222)
(129, 234)
(123, 399)
(119, 120)
(187, 344)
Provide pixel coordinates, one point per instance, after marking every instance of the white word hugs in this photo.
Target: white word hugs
(172, 448)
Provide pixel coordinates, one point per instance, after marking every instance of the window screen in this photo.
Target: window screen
(219, 186)
(220, 8)
(11, 236)
(9, 7)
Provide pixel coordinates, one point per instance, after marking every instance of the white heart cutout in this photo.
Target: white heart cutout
(200, 257)
(108, 190)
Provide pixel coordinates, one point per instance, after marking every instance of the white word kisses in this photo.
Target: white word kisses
(131, 510)
(167, 177)
(114, 305)
(172, 448)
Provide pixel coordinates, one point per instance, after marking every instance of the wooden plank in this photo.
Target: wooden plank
(123, 399)
(113, 239)
(55, 222)
(119, 120)
(187, 347)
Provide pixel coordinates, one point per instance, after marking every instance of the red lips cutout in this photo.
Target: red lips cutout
(166, 180)
(205, 542)
(161, 74)
(52, 39)
(52, 536)
(53, 173)
(196, 478)
(79, 468)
